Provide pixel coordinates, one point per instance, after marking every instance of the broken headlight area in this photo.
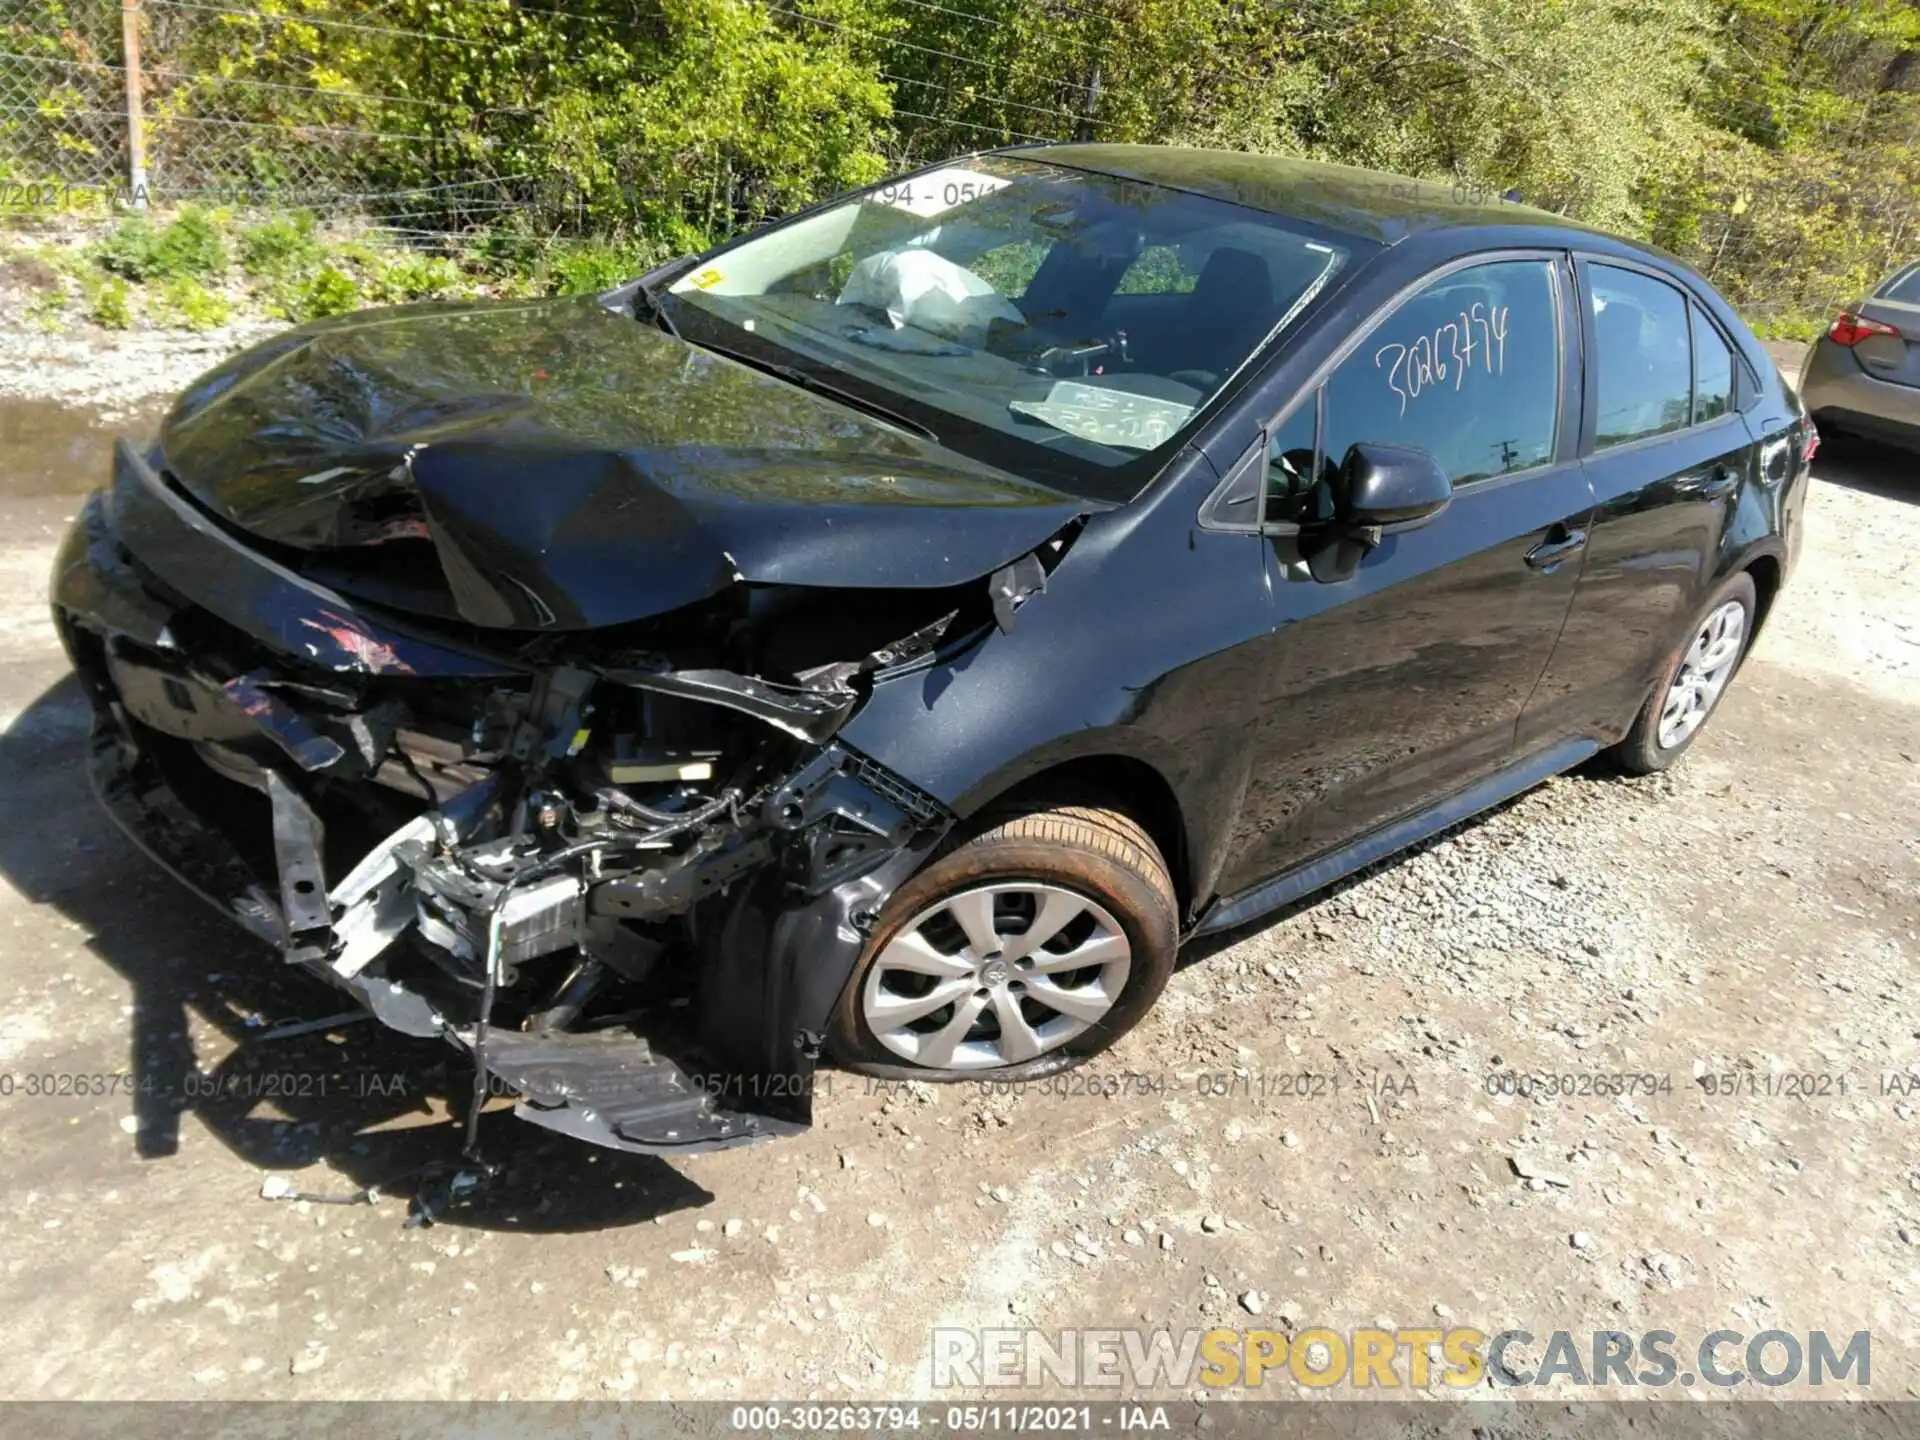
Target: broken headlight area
(629, 878)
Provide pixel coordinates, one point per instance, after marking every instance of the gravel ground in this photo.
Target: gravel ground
(1750, 914)
(114, 376)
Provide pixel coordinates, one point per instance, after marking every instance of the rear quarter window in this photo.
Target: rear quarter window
(1903, 287)
(1712, 371)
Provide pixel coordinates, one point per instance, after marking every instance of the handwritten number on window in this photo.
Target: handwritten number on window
(1421, 366)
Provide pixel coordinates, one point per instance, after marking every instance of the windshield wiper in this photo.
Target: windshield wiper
(643, 297)
(807, 380)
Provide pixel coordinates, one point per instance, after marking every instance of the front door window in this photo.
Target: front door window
(1467, 370)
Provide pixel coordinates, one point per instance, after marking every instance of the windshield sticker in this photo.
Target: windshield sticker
(1107, 417)
(1421, 367)
(938, 191)
(703, 280)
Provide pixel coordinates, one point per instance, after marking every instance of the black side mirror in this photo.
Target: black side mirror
(1391, 485)
(1378, 488)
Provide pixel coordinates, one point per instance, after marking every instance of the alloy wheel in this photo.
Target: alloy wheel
(995, 975)
(1703, 674)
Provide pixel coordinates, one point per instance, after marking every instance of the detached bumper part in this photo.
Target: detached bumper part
(606, 1088)
(614, 1090)
(236, 786)
(137, 797)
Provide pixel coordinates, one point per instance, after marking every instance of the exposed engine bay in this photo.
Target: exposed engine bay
(628, 870)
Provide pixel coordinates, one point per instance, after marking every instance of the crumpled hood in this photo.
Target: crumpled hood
(557, 465)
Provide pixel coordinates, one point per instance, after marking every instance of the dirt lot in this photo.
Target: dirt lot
(1752, 914)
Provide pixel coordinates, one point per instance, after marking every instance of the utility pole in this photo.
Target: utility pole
(136, 116)
(1083, 129)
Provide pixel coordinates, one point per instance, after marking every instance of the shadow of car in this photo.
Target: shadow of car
(1873, 467)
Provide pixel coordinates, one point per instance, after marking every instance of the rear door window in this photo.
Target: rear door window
(1643, 356)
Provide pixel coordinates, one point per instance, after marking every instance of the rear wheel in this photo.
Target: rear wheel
(1028, 948)
(1693, 682)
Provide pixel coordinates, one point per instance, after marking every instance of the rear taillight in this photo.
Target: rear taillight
(1810, 446)
(1850, 329)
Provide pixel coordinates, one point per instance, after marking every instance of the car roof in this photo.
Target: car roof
(1370, 204)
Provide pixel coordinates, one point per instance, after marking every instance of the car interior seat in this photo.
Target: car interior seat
(1626, 370)
(1228, 312)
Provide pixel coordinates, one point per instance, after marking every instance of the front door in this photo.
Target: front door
(1392, 688)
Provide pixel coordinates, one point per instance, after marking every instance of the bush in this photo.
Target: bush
(281, 247)
(330, 291)
(507, 250)
(186, 303)
(131, 250)
(192, 245)
(137, 250)
(359, 257)
(587, 269)
(1792, 325)
(111, 305)
(409, 276)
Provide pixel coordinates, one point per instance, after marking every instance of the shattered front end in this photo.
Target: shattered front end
(625, 872)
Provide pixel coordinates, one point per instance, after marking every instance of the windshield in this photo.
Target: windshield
(1058, 322)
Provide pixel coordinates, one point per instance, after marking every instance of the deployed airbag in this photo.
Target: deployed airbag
(928, 292)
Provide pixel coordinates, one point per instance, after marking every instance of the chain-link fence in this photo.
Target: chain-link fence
(240, 103)
(438, 124)
(105, 104)
(63, 99)
(346, 152)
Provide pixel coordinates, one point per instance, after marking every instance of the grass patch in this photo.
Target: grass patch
(410, 276)
(147, 268)
(588, 268)
(47, 310)
(184, 303)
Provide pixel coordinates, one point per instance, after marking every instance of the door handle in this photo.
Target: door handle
(1561, 541)
(1719, 483)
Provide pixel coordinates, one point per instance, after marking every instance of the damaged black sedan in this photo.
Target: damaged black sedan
(889, 635)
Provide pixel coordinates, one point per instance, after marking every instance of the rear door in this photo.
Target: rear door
(1666, 453)
(1389, 689)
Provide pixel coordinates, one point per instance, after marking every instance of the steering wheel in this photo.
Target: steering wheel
(1081, 357)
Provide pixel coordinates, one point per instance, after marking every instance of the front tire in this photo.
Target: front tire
(1695, 678)
(1026, 949)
